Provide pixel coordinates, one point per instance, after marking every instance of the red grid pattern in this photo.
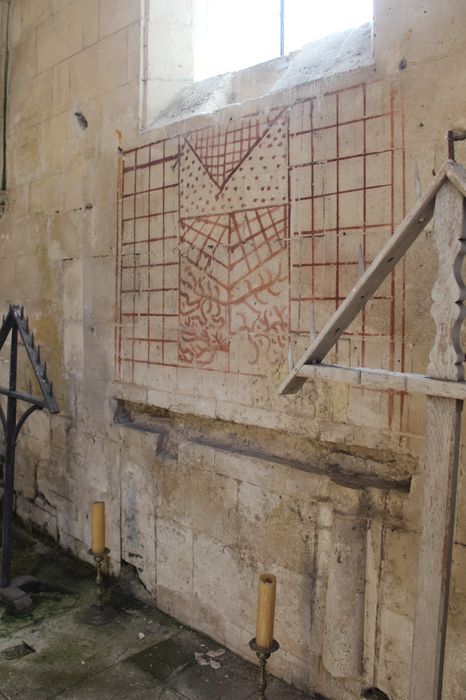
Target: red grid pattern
(203, 237)
(148, 264)
(251, 268)
(246, 237)
(252, 239)
(345, 156)
(221, 150)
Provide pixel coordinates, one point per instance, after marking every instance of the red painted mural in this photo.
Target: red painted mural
(231, 236)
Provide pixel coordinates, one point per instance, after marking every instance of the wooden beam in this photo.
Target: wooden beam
(384, 379)
(444, 387)
(457, 175)
(394, 249)
(442, 451)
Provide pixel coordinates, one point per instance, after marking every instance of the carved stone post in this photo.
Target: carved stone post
(343, 639)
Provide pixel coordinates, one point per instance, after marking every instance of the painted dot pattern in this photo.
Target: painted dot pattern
(260, 178)
(229, 233)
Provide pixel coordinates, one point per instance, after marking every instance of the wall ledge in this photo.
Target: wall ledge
(342, 467)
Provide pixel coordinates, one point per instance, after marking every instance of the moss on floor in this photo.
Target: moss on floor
(144, 654)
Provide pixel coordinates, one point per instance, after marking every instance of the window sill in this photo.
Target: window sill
(338, 53)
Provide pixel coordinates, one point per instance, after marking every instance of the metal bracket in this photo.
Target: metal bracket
(452, 136)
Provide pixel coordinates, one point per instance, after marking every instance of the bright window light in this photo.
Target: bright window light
(231, 35)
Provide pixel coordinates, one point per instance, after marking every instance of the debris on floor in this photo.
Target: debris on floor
(144, 654)
(215, 654)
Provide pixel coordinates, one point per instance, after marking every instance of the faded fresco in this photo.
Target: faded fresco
(236, 238)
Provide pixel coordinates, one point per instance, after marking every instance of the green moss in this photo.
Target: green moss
(66, 581)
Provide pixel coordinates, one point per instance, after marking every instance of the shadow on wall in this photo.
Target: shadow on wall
(374, 694)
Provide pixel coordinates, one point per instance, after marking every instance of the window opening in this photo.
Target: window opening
(230, 36)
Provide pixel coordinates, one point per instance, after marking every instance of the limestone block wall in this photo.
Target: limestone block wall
(167, 274)
(230, 501)
(232, 235)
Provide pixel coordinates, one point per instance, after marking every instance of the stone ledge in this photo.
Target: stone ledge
(344, 468)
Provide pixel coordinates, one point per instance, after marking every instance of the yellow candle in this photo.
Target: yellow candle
(265, 610)
(98, 527)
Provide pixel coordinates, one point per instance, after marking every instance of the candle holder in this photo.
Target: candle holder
(263, 655)
(99, 614)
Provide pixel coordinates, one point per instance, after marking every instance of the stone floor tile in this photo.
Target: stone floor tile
(235, 680)
(278, 690)
(123, 680)
(168, 657)
(68, 651)
(144, 654)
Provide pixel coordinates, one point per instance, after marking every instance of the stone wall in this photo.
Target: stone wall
(167, 274)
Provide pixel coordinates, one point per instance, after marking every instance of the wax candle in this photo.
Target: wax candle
(265, 610)
(98, 527)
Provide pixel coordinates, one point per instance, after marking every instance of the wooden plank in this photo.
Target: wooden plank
(438, 512)
(419, 384)
(384, 379)
(308, 371)
(457, 175)
(350, 375)
(442, 451)
(376, 273)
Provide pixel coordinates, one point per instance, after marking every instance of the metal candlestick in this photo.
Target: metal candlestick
(263, 655)
(99, 614)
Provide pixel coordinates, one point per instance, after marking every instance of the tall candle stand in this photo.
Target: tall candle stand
(99, 614)
(263, 655)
